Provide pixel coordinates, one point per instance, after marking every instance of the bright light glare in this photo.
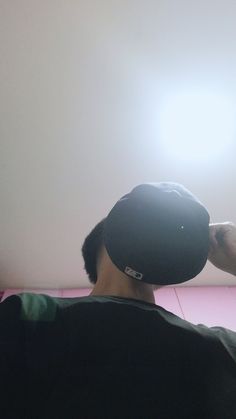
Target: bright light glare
(197, 125)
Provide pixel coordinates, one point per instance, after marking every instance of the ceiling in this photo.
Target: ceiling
(81, 89)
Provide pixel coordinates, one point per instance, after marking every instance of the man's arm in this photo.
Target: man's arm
(222, 252)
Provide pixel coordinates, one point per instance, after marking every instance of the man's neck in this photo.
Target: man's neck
(125, 288)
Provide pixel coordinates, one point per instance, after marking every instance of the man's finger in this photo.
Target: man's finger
(212, 235)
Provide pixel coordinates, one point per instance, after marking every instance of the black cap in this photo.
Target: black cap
(158, 234)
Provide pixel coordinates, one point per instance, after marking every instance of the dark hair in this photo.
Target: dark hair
(90, 250)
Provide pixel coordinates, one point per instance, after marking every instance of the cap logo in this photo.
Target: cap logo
(129, 271)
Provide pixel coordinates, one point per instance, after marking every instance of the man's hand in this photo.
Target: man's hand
(222, 253)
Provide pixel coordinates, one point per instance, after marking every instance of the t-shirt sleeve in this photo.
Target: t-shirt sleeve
(26, 321)
(13, 376)
(225, 337)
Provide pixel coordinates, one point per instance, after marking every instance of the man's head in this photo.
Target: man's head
(104, 274)
(156, 234)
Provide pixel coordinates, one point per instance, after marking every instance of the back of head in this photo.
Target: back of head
(158, 234)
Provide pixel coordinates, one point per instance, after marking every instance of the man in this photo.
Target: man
(115, 353)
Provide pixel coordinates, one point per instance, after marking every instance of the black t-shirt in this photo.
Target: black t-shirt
(111, 357)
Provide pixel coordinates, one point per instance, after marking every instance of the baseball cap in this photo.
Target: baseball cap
(158, 234)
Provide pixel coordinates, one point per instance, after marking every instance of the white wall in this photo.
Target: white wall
(81, 85)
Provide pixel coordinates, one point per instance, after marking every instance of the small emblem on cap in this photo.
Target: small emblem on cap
(129, 271)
